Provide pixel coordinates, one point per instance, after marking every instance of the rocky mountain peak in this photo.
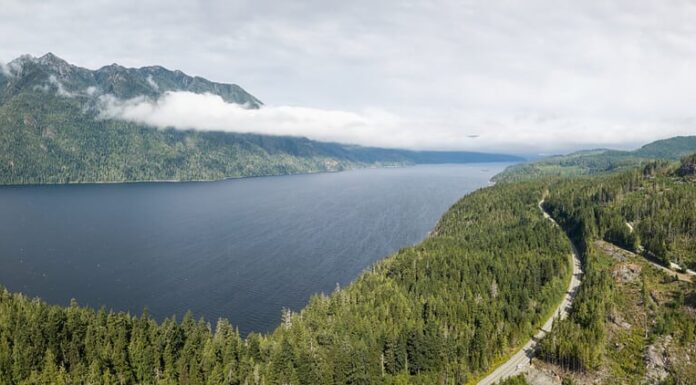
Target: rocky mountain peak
(50, 72)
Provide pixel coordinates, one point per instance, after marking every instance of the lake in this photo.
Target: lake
(242, 249)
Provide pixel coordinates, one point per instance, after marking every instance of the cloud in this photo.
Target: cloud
(152, 83)
(620, 71)
(186, 110)
(60, 89)
(375, 127)
(5, 69)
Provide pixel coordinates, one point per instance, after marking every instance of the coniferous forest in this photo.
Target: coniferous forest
(441, 311)
(651, 211)
(575, 265)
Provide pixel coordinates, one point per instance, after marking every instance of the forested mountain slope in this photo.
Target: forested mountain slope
(51, 131)
(442, 311)
(592, 162)
(631, 323)
(634, 320)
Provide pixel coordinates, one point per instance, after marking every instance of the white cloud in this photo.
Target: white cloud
(5, 69)
(609, 72)
(152, 83)
(60, 89)
(373, 127)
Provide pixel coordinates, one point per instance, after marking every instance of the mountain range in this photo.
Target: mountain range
(51, 131)
(51, 73)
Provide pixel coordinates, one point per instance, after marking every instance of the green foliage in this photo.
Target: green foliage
(51, 134)
(441, 311)
(672, 148)
(578, 342)
(688, 166)
(599, 161)
(663, 212)
(45, 138)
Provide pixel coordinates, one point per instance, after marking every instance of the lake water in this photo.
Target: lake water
(242, 249)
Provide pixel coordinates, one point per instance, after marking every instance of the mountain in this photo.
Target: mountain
(669, 149)
(50, 72)
(598, 161)
(51, 131)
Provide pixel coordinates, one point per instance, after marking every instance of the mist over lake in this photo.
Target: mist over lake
(241, 249)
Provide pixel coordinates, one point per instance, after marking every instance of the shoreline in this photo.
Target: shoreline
(175, 181)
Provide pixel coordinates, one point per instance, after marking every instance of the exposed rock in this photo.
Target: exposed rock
(535, 376)
(49, 133)
(656, 360)
(626, 272)
(29, 121)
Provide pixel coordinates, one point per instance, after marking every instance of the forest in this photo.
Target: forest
(53, 129)
(442, 311)
(599, 161)
(658, 201)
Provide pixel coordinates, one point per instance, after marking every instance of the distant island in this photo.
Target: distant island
(51, 132)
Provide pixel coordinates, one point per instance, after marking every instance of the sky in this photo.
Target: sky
(526, 77)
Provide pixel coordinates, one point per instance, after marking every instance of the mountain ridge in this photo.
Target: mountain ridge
(51, 131)
(588, 162)
(114, 79)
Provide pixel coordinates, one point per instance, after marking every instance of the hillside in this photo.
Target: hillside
(51, 132)
(442, 311)
(636, 322)
(599, 161)
(634, 319)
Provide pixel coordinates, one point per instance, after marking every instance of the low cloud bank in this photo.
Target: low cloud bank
(207, 112)
(375, 127)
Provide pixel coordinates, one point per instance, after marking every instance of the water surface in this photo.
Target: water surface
(242, 249)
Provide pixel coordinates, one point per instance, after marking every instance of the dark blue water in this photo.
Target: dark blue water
(242, 249)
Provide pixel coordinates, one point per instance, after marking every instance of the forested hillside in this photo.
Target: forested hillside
(627, 309)
(442, 311)
(51, 131)
(599, 161)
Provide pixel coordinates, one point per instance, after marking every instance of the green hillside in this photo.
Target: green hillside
(599, 161)
(443, 311)
(51, 132)
(447, 308)
(632, 322)
(671, 149)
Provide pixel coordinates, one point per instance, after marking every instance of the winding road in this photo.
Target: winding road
(521, 361)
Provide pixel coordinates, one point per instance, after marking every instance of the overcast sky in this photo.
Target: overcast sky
(516, 76)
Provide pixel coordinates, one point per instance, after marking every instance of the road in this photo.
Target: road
(672, 265)
(521, 361)
(611, 249)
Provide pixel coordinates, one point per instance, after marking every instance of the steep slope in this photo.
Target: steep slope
(51, 73)
(51, 132)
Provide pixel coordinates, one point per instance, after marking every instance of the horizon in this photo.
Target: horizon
(509, 79)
